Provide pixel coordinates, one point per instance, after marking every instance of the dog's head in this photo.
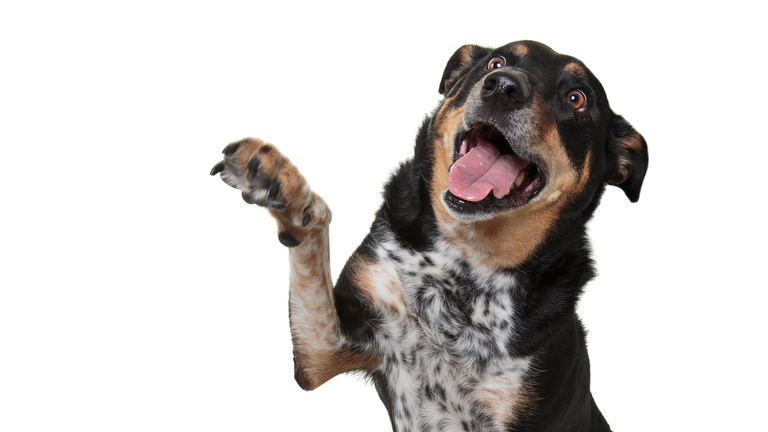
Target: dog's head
(523, 140)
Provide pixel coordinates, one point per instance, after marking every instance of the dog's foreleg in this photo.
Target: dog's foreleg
(269, 179)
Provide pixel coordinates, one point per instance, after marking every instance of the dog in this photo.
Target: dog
(460, 304)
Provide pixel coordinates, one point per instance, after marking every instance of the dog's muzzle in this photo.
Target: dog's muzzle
(493, 168)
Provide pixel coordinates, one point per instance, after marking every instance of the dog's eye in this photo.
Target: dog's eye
(496, 63)
(578, 100)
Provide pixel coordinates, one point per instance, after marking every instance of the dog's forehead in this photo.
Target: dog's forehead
(542, 61)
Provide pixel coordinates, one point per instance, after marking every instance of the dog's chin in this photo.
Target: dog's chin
(529, 181)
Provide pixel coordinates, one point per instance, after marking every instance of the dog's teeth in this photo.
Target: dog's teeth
(463, 150)
(520, 178)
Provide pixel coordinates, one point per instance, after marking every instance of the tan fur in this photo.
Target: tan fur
(627, 146)
(449, 122)
(504, 402)
(380, 284)
(465, 60)
(575, 69)
(520, 50)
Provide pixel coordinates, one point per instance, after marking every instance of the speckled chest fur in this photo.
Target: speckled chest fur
(445, 362)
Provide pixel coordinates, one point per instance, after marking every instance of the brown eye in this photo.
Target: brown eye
(578, 100)
(496, 63)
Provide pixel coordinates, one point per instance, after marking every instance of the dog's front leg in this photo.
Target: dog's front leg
(269, 179)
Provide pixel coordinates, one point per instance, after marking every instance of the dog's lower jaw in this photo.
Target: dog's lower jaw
(452, 205)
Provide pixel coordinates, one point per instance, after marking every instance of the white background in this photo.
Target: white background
(140, 294)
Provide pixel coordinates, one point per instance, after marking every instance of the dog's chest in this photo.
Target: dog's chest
(446, 362)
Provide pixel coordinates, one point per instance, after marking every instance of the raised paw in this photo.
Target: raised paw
(267, 178)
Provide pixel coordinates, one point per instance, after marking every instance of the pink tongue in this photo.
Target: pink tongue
(482, 170)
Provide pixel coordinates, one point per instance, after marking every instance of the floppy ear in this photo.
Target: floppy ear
(459, 63)
(627, 158)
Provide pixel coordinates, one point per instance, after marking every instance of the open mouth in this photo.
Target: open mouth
(488, 175)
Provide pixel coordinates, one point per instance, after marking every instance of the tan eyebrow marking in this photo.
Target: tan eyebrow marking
(575, 69)
(520, 50)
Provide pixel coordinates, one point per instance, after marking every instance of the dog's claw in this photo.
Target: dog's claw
(287, 239)
(253, 166)
(276, 201)
(231, 148)
(274, 190)
(219, 167)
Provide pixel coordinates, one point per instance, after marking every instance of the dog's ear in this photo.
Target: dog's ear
(627, 158)
(459, 63)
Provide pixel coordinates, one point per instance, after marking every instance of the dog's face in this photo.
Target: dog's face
(524, 139)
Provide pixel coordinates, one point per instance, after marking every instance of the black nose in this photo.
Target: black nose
(508, 88)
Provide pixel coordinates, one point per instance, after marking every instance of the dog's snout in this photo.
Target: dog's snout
(508, 88)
